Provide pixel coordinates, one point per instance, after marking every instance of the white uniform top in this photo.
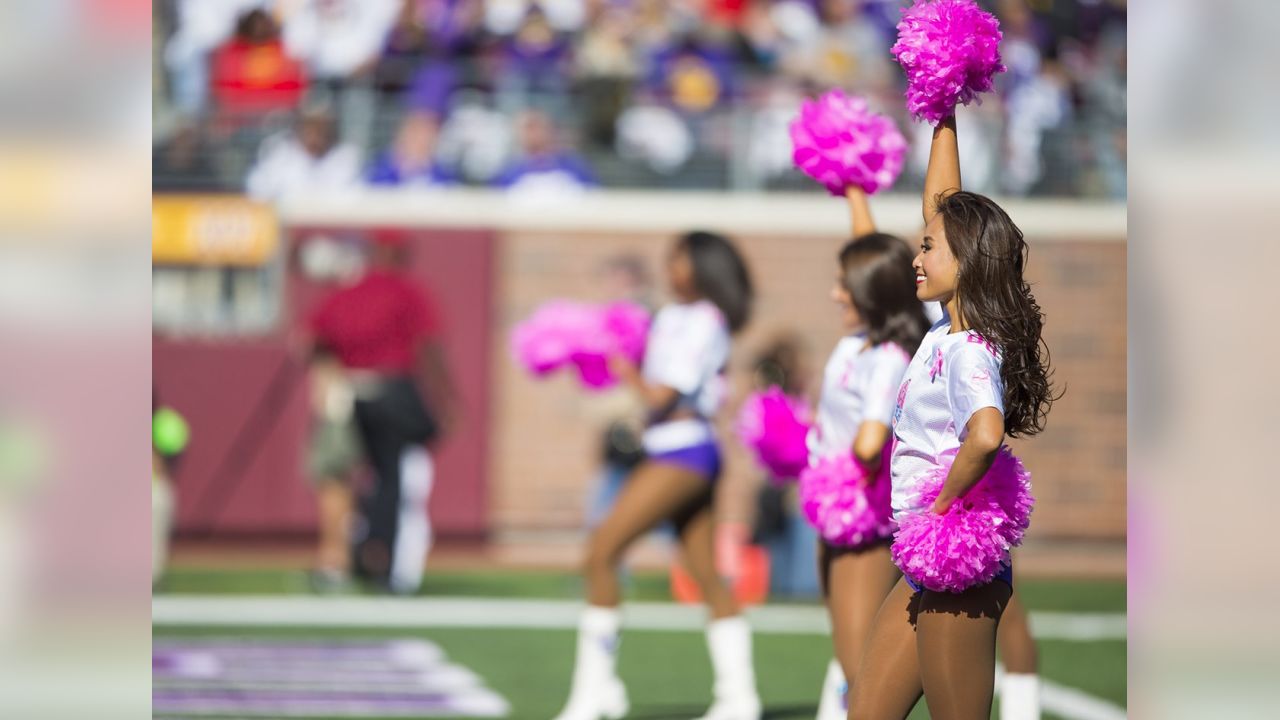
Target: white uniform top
(687, 351)
(860, 384)
(951, 377)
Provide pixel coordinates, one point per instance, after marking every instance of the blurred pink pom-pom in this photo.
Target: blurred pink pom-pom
(549, 337)
(619, 329)
(838, 501)
(838, 141)
(969, 544)
(774, 426)
(563, 332)
(950, 50)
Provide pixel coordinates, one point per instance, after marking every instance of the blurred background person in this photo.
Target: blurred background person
(183, 161)
(786, 536)
(384, 331)
(412, 160)
(252, 75)
(624, 277)
(169, 437)
(340, 42)
(335, 454)
(308, 159)
(543, 167)
(200, 26)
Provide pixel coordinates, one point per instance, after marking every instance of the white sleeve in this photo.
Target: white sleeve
(685, 355)
(342, 170)
(973, 382)
(301, 32)
(880, 391)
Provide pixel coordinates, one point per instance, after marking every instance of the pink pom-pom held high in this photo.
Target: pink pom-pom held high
(838, 141)
(950, 51)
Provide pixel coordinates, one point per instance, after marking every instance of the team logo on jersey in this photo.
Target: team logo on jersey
(902, 399)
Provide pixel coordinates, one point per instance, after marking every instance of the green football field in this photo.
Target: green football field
(667, 672)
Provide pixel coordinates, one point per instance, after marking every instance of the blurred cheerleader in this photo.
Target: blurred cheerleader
(875, 292)
(681, 383)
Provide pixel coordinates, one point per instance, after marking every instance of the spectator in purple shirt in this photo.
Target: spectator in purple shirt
(411, 159)
(543, 163)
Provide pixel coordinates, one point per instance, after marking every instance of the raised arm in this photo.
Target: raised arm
(943, 176)
(859, 211)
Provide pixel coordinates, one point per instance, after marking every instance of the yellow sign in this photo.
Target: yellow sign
(211, 230)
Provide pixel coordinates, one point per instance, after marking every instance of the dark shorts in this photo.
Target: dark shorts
(703, 458)
(1005, 576)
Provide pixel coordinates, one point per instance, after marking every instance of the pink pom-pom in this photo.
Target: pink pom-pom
(619, 329)
(969, 544)
(846, 509)
(562, 332)
(950, 50)
(548, 339)
(839, 142)
(774, 426)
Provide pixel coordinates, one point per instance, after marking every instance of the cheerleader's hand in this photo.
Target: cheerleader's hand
(941, 505)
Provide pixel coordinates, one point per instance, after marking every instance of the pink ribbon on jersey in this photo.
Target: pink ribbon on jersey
(937, 365)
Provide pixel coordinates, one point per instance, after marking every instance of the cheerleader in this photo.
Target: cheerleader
(682, 384)
(875, 292)
(981, 373)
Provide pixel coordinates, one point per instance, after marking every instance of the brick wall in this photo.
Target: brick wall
(546, 433)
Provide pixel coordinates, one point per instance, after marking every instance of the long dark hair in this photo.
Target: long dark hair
(720, 275)
(876, 270)
(996, 303)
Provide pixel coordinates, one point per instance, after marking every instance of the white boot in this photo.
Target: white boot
(734, 694)
(596, 691)
(834, 704)
(1020, 696)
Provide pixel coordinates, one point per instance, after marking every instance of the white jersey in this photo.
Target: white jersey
(859, 384)
(687, 351)
(952, 376)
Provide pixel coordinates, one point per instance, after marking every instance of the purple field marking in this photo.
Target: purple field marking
(256, 677)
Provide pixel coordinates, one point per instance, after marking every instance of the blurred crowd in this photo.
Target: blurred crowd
(550, 96)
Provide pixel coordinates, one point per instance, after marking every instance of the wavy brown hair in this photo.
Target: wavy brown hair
(996, 303)
(876, 270)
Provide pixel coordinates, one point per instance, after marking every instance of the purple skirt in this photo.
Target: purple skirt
(703, 458)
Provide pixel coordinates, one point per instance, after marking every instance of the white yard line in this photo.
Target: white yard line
(492, 613)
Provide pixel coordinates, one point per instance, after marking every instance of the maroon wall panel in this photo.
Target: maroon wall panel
(246, 402)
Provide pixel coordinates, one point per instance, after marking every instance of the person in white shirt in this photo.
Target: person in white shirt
(681, 383)
(340, 42)
(875, 291)
(307, 160)
(981, 373)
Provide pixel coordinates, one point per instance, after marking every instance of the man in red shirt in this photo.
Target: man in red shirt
(384, 333)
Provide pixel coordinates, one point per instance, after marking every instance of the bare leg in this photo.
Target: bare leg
(335, 504)
(857, 584)
(888, 675)
(655, 492)
(1017, 647)
(956, 640)
(1020, 686)
(697, 545)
